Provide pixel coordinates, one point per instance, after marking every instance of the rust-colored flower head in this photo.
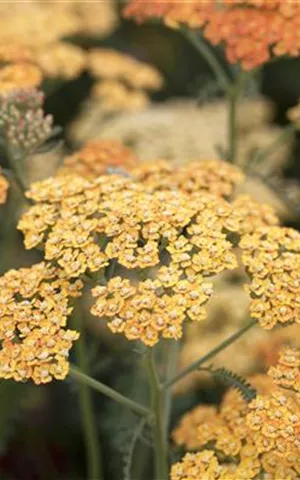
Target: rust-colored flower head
(251, 31)
(97, 157)
(34, 307)
(286, 373)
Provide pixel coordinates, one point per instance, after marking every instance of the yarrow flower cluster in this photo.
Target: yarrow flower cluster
(34, 307)
(252, 31)
(97, 157)
(271, 256)
(3, 188)
(243, 441)
(286, 373)
(123, 81)
(23, 124)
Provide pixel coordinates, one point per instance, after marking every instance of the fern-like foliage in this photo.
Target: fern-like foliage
(247, 391)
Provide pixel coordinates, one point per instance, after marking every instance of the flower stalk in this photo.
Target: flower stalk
(108, 392)
(195, 365)
(157, 406)
(89, 425)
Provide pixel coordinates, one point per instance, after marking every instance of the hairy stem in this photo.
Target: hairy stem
(195, 365)
(172, 351)
(109, 392)
(157, 405)
(93, 454)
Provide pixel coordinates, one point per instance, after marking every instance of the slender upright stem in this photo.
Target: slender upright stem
(207, 53)
(234, 94)
(172, 351)
(195, 365)
(93, 454)
(157, 405)
(109, 392)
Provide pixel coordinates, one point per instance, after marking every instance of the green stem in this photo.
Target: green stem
(207, 53)
(160, 441)
(195, 365)
(109, 392)
(172, 351)
(234, 94)
(89, 424)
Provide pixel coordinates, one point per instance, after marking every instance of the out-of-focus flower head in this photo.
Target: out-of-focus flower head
(23, 124)
(61, 60)
(3, 188)
(271, 256)
(19, 75)
(34, 307)
(251, 31)
(113, 65)
(97, 157)
(122, 81)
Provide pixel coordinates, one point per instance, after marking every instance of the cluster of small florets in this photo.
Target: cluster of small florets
(271, 256)
(243, 441)
(252, 31)
(97, 157)
(213, 176)
(178, 239)
(286, 373)
(34, 307)
(22, 121)
(3, 188)
(123, 81)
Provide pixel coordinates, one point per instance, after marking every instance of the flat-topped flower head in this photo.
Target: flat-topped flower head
(34, 307)
(97, 157)
(271, 256)
(286, 373)
(251, 31)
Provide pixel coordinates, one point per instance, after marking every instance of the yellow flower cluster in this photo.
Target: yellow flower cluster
(34, 307)
(180, 239)
(214, 176)
(31, 51)
(19, 75)
(96, 157)
(259, 440)
(3, 188)
(122, 80)
(271, 256)
(286, 373)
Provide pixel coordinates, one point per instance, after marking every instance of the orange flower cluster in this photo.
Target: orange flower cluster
(272, 259)
(96, 157)
(34, 307)
(19, 75)
(123, 80)
(3, 188)
(245, 441)
(286, 373)
(252, 31)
